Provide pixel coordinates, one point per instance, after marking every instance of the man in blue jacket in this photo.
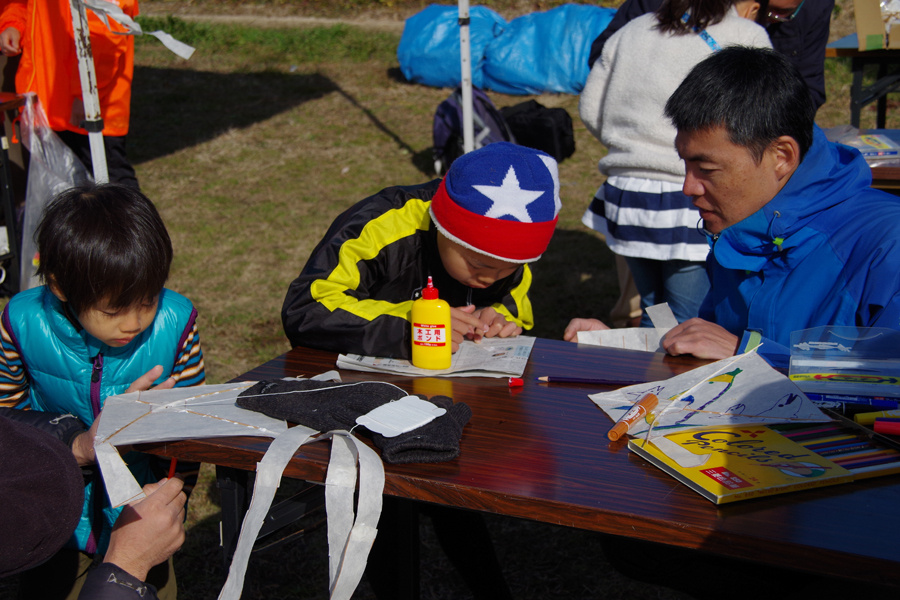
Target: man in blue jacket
(797, 236)
(797, 239)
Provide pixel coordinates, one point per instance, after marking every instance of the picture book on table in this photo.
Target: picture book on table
(737, 429)
(738, 462)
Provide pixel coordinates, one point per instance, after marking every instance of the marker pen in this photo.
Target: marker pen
(637, 412)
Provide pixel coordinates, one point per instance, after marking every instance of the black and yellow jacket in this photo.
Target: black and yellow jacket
(355, 293)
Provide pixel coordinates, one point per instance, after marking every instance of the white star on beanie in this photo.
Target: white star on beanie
(509, 198)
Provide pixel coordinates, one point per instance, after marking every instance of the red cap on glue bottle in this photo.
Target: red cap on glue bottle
(430, 292)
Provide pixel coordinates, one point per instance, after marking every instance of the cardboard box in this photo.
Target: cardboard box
(870, 30)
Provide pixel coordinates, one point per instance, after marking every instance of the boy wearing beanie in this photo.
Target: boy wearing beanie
(474, 233)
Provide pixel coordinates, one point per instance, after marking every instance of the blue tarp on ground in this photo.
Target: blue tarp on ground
(545, 52)
(429, 48)
(532, 54)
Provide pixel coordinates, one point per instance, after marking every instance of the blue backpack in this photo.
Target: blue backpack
(489, 126)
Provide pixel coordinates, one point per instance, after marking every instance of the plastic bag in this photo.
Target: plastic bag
(545, 52)
(53, 169)
(429, 48)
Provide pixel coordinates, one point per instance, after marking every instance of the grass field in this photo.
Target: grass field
(250, 149)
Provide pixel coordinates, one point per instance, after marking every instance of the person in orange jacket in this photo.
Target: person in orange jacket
(41, 31)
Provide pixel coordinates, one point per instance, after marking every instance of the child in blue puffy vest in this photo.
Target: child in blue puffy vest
(103, 324)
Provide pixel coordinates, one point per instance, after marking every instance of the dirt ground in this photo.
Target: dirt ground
(382, 15)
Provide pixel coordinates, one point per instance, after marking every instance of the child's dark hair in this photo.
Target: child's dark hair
(103, 243)
(701, 14)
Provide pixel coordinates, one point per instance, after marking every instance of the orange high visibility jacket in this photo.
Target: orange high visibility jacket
(49, 64)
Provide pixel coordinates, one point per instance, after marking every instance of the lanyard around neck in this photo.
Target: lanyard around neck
(710, 41)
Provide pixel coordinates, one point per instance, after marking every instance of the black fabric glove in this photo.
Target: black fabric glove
(319, 405)
(326, 405)
(436, 441)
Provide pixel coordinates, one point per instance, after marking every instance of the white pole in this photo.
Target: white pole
(93, 121)
(465, 55)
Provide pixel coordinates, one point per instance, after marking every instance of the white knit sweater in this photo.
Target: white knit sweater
(623, 100)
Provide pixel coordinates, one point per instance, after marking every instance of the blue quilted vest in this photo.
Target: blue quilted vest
(71, 371)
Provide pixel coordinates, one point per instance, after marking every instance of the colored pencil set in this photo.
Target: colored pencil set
(887, 425)
(851, 447)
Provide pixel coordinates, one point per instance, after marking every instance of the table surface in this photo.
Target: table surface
(848, 46)
(540, 452)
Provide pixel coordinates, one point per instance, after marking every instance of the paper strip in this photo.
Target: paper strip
(121, 486)
(662, 316)
(684, 457)
(268, 476)
(107, 10)
(348, 543)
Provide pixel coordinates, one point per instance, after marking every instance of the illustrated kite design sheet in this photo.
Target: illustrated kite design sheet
(738, 390)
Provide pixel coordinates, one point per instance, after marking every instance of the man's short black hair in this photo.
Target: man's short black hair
(756, 94)
(103, 243)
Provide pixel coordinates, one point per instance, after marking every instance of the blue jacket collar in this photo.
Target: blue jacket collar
(829, 174)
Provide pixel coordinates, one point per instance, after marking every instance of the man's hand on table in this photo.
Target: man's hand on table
(576, 325)
(701, 339)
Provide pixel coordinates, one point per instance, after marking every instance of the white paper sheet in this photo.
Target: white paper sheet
(737, 390)
(400, 416)
(646, 339)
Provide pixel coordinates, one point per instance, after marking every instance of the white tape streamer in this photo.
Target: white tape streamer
(349, 542)
(107, 10)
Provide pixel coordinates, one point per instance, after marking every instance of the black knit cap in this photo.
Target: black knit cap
(42, 491)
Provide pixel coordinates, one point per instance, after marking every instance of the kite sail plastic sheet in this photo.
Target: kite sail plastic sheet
(738, 390)
(545, 52)
(167, 415)
(210, 411)
(53, 168)
(429, 48)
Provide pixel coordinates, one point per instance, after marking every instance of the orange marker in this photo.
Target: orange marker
(637, 412)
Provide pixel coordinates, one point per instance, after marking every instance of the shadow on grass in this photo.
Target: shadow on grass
(172, 109)
(576, 277)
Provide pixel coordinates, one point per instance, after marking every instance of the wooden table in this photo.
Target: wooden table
(887, 79)
(541, 453)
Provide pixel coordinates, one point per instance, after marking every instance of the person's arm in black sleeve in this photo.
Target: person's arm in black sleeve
(339, 302)
(64, 427)
(109, 582)
(803, 42)
(629, 10)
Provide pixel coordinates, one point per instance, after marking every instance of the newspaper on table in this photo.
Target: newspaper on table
(494, 357)
(646, 339)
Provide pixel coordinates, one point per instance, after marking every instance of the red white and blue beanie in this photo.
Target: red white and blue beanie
(501, 200)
